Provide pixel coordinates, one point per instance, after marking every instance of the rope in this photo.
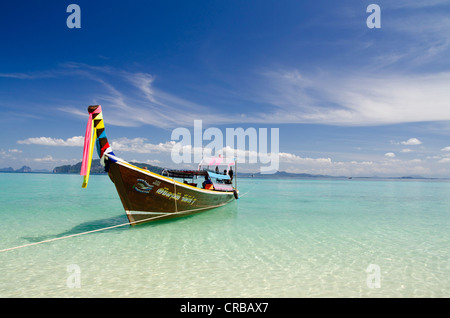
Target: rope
(79, 234)
(241, 195)
(103, 229)
(63, 237)
(110, 227)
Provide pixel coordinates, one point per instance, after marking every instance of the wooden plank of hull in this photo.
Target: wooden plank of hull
(147, 196)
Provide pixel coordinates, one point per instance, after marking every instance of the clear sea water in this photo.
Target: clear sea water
(282, 238)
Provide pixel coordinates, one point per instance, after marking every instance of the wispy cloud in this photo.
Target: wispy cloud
(134, 101)
(30, 75)
(426, 34)
(401, 4)
(357, 100)
(283, 95)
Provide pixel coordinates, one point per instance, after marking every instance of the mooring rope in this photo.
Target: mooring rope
(62, 237)
(105, 228)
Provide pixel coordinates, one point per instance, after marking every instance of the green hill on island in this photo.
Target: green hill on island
(97, 168)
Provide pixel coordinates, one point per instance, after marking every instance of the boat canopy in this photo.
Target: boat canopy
(183, 173)
(209, 168)
(192, 173)
(218, 176)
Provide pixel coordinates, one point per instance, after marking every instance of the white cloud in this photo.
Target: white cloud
(445, 149)
(287, 161)
(9, 154)
(406, 150)
(444, 160)
(139, 145)
(76, 141)
(47, 158)
(55, 161)
(356, 99)
(411, 142)
(392, 167)
(289, 157)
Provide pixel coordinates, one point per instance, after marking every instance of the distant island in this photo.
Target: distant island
(285, 175)
(24, 169)
(97, 168)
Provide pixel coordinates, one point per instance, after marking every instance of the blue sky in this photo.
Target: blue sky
(348, 100)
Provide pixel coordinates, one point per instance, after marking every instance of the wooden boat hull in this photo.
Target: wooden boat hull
(147, 196)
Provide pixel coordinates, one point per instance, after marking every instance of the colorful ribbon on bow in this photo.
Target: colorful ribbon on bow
(88, 150)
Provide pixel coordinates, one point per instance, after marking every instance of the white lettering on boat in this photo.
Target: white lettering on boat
(170, 195)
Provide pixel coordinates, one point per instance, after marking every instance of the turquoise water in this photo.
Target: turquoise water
(294, 238)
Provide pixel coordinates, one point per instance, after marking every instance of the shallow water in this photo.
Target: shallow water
(282, 238)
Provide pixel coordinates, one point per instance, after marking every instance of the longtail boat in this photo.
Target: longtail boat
(147, 196)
